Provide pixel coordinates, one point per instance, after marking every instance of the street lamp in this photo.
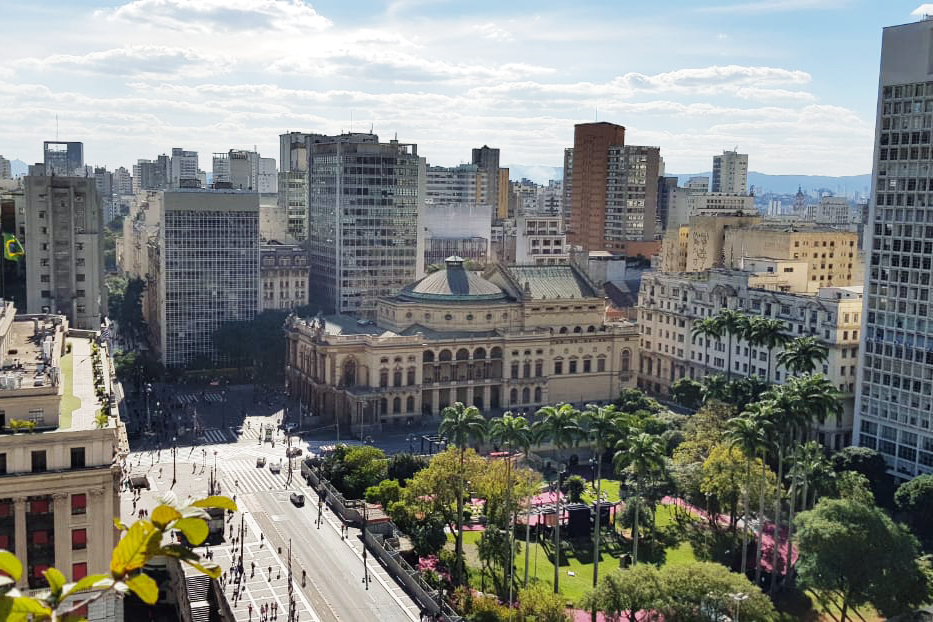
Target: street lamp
(738, 598)
(174, 471)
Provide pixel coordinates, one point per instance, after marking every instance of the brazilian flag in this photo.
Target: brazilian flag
(12, 249)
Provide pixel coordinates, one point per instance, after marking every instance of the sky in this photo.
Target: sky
(793, 83)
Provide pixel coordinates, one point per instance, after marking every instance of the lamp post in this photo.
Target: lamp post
(174, 462)
(365, 567)
(738, 598)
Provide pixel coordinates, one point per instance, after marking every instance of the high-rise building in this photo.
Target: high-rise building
(366, 198)
(464, 184)
(103, 181)
(244, 170)
(203, 269)
(65, 260)
(63, 158)
(589, 181)
(893, 404)
(293, 190)
(5, 169)
(487, 160)
(730, 173)
(698, 183)
(122, 182)
(152, 174)
(183, 169)
(568, 187)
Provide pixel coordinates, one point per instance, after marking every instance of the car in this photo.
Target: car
(260, 462)
(298, 499)
(275, 468)
(290, 427)
(238, 429)
(293, 451)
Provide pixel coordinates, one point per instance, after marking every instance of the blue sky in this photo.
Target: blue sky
(791, 82)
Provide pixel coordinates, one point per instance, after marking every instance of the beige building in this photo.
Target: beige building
(283, 270)
(59, 484)
(515, 338)
(699, 246)
(540, 240)
(669, 304)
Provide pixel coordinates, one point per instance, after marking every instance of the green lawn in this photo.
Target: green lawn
(576, 561)
(69, 402)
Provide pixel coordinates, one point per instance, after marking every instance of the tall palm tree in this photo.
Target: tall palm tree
(515, 433)
(769, 333)
(763, 413)
(461, 424)
(603, 425)
(706, 329)
(802, 355)
(561, 425)
(643, 455)
(715, 387)
(747, 434)
(732, 323)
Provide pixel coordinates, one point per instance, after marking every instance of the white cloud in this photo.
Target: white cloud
(775, 6)
(922, 10)
(225, 15)
(141, 61)
(493, 31)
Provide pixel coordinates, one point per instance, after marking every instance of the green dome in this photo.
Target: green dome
(452, 284)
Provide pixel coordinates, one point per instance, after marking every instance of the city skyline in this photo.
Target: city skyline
(140, 77)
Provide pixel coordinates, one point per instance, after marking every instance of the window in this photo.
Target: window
(558, 368)
(600, 364)
(38, 461)
(587, 366)
(79, 277)
(573, 366)
(514, 370)
(78, 539)
(2, 464)
(77, 458)
(78, 504)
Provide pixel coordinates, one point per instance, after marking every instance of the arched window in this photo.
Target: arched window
(601, 364)
(410, 380)
(526, 395)
(515, 370)
(591, 329)
(496, 353)
(383, 406)
(537, 395)
(349, 373)
(383, 377)
(626, 360)
(513, 396)
(397, 378)
(427, 357)
(526, 368)
(410, 404)
(397, 405)
(577, 329)
(563, 330)
(463, 354)
(539, 369)
(479, 353)
(444, 356)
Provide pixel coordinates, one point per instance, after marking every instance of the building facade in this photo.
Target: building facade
(5, 169)
(65, 258)
(730, 173)
(284, 272)
(516, 338)
(669, 304)
(540, 240)
(486, 159)
(203, 270)
(895, 397)
(65, 159)
(366, 199)
(60, 483)
(183, 169)
(589, 180)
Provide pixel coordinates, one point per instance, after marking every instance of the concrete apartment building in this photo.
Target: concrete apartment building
(202, 269)
(834, 211)
(894, 404)
(684, 203)
(65, 259)
(152, 174)
(366, 200)
(239, 169)
(730, 173)
(670, 303)
(515, 338)
(463, 184)
(540, 240)
(5, 169)
(284, 271)
(63, 158)
(589, 178)
(183, 169)
(60, 483)
(486, 159)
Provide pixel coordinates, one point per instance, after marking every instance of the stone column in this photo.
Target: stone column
(101, 536)
(434, 401)
(19, 535)
(62, 523)
(486, 398)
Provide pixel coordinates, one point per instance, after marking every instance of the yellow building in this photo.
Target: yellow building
(515, 338)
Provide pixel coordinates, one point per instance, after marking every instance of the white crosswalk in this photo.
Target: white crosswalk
(195, 398)
(245, 476)
(216, 435)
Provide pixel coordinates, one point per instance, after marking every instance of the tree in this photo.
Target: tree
(634, 400)
(643, 455)
(734, 324)
(141, 542)
(354, 469)
(628, 592)
(872, 465)
(915, 498)
(385, 492)
(687, 392)
(536, 603)
(403, 466)
(561, 425)
(802, 355)
(715, 387)
(435, 489)
(705, 590)
(857, 552)
(706, 329)
(461, 424)
(574, 487)
(101, 420)
(748, 434)
(854, 486)
(763, 414)
(769, 333)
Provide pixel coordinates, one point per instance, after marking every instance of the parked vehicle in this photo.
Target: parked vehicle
(260, 462)
(297, 499)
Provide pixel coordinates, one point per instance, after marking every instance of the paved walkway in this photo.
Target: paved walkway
(82, 384)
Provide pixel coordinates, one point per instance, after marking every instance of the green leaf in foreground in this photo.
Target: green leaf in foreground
(216, 501)
(10, 565)
(144, 587)
(133, 550)
(195, 530)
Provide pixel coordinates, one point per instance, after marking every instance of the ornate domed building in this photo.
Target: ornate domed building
(513, 338)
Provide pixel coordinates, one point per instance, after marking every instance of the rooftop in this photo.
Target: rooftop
(453, 284)
(549, 282)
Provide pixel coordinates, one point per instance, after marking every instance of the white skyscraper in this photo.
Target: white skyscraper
(184, 168)
(730, 173)
(894, 404)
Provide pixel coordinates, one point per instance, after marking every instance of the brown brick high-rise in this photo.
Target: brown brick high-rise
(591, 143)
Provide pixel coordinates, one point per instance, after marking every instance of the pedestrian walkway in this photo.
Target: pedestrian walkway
(244, 476)
(195, 398)
(216, 435)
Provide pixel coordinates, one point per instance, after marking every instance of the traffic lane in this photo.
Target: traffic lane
(334, 569)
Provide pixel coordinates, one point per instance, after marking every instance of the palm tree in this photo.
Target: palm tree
(461, 424)
(763, 413)
(560, 424)
(706, 329)
(769, 333)
(603, 425)
(513, 432)
(643, 455)
(747, 433)
(733, 323)
(101, 420)
(802, 355)
(715, 387)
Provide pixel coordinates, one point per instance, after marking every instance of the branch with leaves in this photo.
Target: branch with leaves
(141, 542)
